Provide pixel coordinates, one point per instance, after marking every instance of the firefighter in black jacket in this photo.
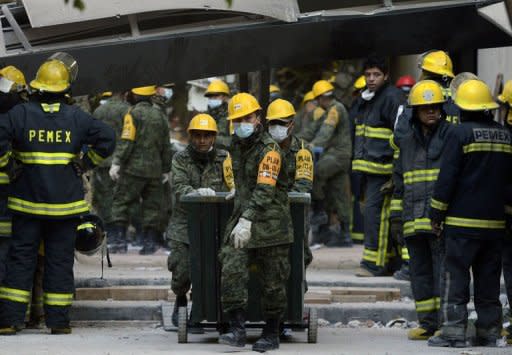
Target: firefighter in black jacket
(414, 175)
(40, 142)
(469, 201)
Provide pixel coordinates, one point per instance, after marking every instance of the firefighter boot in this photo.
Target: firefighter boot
(441, 341)
(150, 244)
(61, 331)
(404, 273)
(236, 336)
(419, 334)
(341, 238)
(10, 330)
(181, 301)
(269, 339)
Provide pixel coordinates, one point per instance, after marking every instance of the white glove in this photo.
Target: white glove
(241, 233)
(114, 172)
(205, 191)
(231, 194)
(165, 178)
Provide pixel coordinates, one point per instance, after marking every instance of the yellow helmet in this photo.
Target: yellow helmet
(426, 92)
(145, 90)
(474, 95)
(273, 88)
(360, 83)
(506, 94)
(217, 87)
(52, 76)
(202, 122)
(280, 110)
(241, 105)
(322, 87)
(437, 62)
(15, 75)
(106, 94)
(308, 97)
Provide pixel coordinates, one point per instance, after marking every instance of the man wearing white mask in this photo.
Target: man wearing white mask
(218, 97)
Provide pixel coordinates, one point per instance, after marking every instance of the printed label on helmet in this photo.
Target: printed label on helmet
(229, 178)
(333, 117)
(304, 165)
(129, 129)
(269, 168)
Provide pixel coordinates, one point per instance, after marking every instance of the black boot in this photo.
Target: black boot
(269, 339)
(319, 216)
(403, 274)
(321, 234)
(341, 238)
(181, 301)
(236, 336)
(117, 239)
(150, 244)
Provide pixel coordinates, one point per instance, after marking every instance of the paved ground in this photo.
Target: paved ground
(150, 339)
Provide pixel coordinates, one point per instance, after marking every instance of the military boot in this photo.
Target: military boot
(319, 216)
(269, 339)
(236, 335)
(61, 331)
(117, 240)
(340, 238)
(321, 234)
(181, 301)
(404, 273)
(441, 341)
(150, 244)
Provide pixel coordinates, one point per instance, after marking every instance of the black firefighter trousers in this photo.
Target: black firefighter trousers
(58, 283)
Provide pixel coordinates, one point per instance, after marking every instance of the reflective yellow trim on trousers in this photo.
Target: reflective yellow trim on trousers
(371, 167)
(14, 295)
(58, 299)
(415, 176)
(438, 205)
(370, 255)
(357, 236)
(487, 147)
(396, 205)
(419, 224)
(383, 232)
(47, 209)
(4, 159)
(4, 179)
(5, 228)
(95, 157)
(405, 254)
(438, 302)
(44, 158)
(474, 223)
(429, 305)
(373, 132)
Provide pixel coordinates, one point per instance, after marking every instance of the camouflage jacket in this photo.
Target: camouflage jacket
(191, 171)
(112, 113)
(144, 149)
(261, 182)
(312, 124)
(334, 133)
(220, 114)
(299, 165)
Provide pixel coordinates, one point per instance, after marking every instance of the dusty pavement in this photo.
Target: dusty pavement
(150, 339)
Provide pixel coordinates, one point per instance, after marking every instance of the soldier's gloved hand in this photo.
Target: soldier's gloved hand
(231, 194)
(205, 191)
(241, 234)
(114, 172)
(78, 166)
(396, 230)
(165, 177)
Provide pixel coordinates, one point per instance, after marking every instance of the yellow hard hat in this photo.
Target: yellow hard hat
(474, 95)
(217, 87)
(426, 92)
(360, 83)
(13, 74)
(506, 94)
(241, 105)
(202, 122)
(273, 88)
(106, 94)
(308, 97)
(145, 90)
(437, 62)
(52, 76)
(280, 110)
(322, 87)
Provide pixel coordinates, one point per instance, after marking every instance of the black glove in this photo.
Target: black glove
(14, 170)
(396, 230)
(78, 166)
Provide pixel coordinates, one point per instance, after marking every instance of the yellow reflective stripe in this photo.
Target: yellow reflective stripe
(487, 147)
(5, 228)
(357, 236)
(58, 299)
(4, 179)
(370, 255)
(438, 302)
(383, 232)
(396, 205)
(14, 295)
(44, 158)
(415, 176)
(438, 205)
(396, 154)
(55, 107)
(405, 254)
(475, 223)
(47, 209)
(371, 167)
(85, 225)
(508, 210)
(428, 305)
(95, 157)
(360, 130)
(4, 159)
(373, 132)
(419, 224)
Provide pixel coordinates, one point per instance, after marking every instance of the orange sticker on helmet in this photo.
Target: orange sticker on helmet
(269, 168)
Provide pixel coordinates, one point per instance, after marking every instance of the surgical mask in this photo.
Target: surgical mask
(167, 93)
(244, 129)
(367, 95)
(278, 133)
(103, 102)
(214, 103)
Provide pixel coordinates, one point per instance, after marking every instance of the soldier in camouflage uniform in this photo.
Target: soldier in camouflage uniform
(198, 169)
(218, 96)
(141, 165)
(332, 181)
(301, 118)
(259, 232)
(112, 112)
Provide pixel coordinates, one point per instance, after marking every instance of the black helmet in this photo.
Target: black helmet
(90, 235)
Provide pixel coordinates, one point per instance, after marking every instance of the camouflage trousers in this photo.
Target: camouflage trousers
(130, 190)
(272, 268)
(102, 193)
(178, 262)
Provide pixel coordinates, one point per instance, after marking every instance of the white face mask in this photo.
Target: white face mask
(214, 103)
(244, 129)
(367, 95)
(167, 93)
(103, 102)
(278, 133)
